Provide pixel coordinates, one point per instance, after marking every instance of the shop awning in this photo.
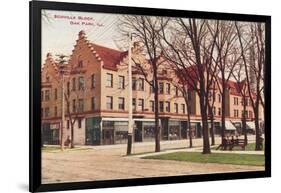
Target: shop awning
(251, 125)
(229, 126)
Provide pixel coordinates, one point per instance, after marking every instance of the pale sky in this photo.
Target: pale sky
(59, 35)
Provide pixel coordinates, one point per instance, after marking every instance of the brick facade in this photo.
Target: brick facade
(95, 85)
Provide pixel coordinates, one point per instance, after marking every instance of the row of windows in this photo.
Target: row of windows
(236, 101)
(214, 97)
(138, 84)
(140, 104)
(248, 114)
(109, 81)
(215, 111)
(45, 112)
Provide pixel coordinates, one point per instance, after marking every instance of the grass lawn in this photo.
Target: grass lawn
(221, 158)
(249, 147)
(57, 149)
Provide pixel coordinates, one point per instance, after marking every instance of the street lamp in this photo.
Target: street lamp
(130, 115)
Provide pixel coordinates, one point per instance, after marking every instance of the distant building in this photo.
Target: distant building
(97, 99)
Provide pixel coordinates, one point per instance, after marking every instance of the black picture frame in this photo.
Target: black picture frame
(35, 184)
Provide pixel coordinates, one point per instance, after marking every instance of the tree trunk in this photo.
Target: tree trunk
(210, 110)
(206, 143)
(212, 130)
(223, 114)
(157, 128)
(72, 135)
(188, 124)
(258, 135)
(244, 126)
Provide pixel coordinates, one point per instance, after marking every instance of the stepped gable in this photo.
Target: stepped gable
(110, 57)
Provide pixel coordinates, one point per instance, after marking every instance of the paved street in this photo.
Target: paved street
(110, 162)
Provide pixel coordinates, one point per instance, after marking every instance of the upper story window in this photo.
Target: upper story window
(151, 106)
(167, 106)
(47, 95)
(219, 98)
(93, 81)
(141, 104)
(56, 111)
(134, 104)
(168, 88)
(141, 84)
(81, 105)
(219, 111)
(176, 91)
(236, 113)
(73, 105)
(161, 87)
(80, 63)
(56, 94)
(214, 111)
(93, 103)
(74, 84)
(47, 112)
(109, 80)
(235, 100)
(121, 103)
(47, 79)
(109, 102)
(121, 82)
(161, 106)
(183, 108)
(246, 102)
(134, 83)
(176, 107)
(81, 83)
(42, 95)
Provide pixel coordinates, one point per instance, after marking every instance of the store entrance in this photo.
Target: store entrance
(108, 136)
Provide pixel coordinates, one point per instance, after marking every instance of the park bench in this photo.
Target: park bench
(230, 144)
(237, 142)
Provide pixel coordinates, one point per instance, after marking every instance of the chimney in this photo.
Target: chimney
(137, 46)
(49, 55)
(82, 34)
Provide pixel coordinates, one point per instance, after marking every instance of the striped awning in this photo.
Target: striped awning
(229, 126)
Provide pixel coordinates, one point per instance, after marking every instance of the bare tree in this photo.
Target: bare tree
(226, 58)
(71, 96)
(179, 83)
(239, 74)
(252, 36)
(145, 30)
(211, 105)
(188, 45)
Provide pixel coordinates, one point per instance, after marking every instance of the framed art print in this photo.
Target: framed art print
(126, 96)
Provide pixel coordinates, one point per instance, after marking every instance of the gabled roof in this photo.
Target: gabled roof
(110, 57)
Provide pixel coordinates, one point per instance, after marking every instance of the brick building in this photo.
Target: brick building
(97, 94)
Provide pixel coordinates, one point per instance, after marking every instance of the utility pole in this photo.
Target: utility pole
(130, 115)
(62, 113)
(61, 62)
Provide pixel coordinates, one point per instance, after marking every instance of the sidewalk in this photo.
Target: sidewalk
(166, 147)
(197, 149)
